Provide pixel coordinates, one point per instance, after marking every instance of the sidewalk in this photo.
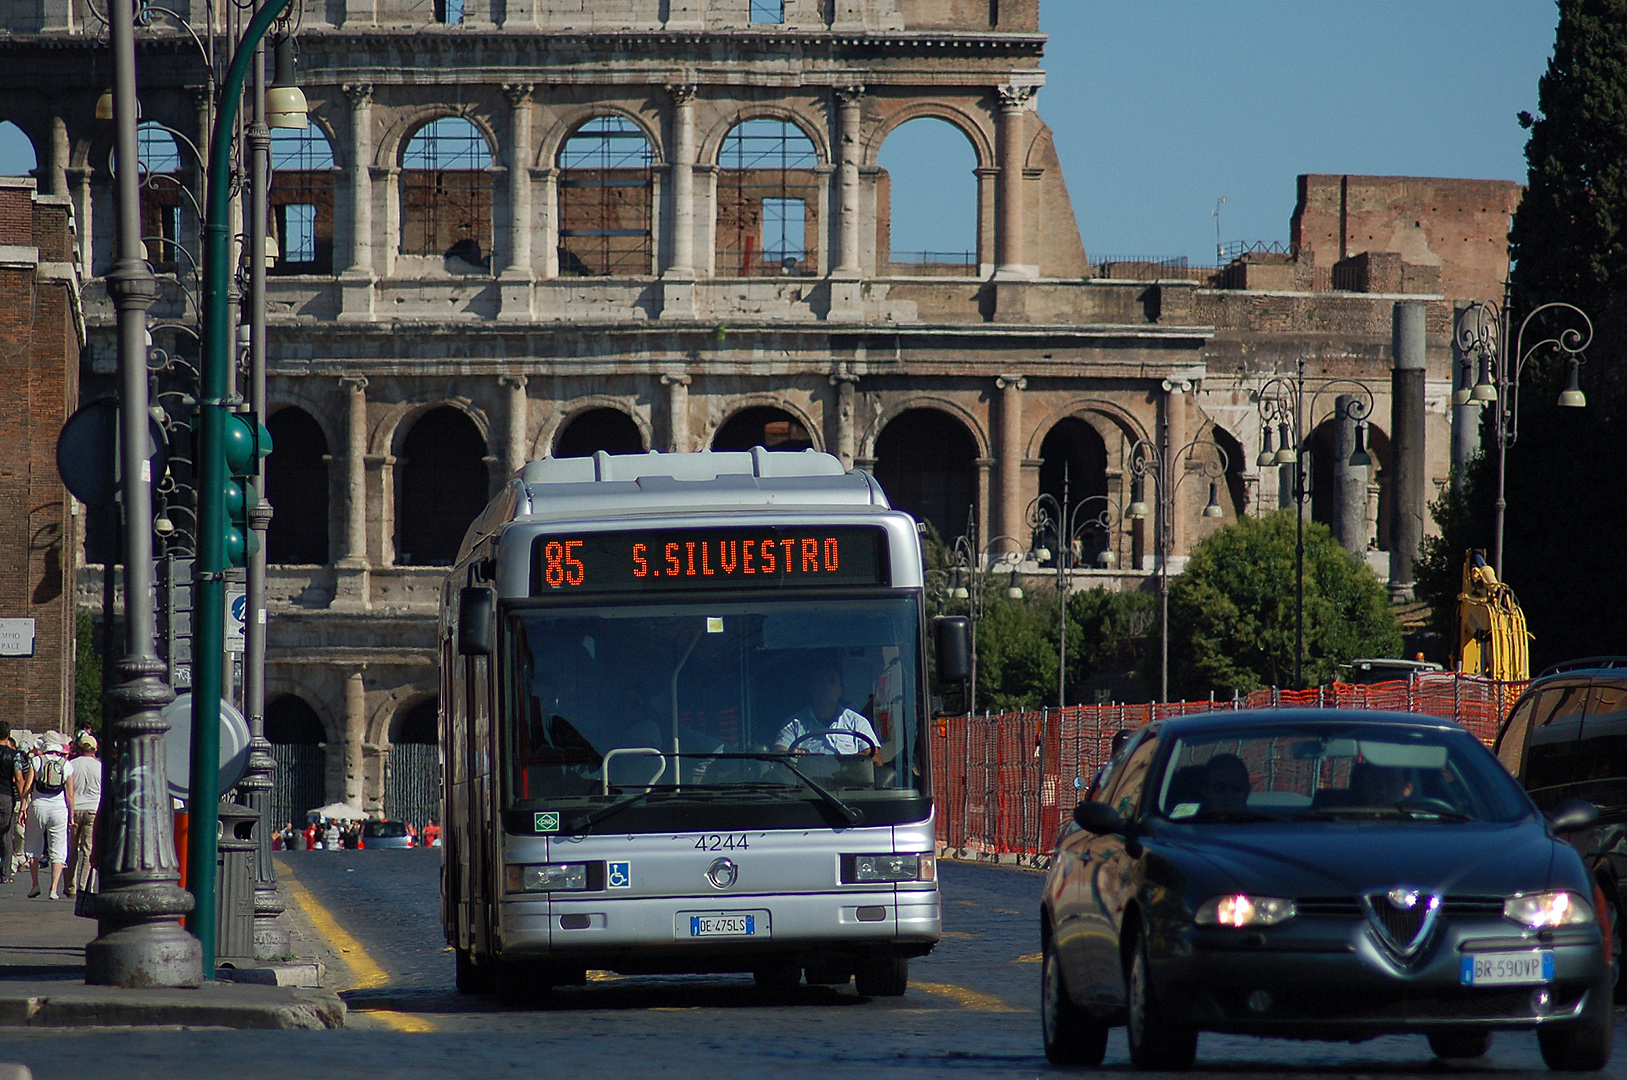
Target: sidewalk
(42, 982)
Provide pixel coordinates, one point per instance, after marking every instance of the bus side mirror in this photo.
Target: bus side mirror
(477, 621)
(953, 637)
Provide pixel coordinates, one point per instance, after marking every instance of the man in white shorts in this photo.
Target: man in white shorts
(50, 807)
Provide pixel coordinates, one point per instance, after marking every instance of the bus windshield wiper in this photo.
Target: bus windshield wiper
(587, 821)
(850, 814)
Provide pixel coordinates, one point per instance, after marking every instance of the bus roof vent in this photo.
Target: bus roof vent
(705, 465)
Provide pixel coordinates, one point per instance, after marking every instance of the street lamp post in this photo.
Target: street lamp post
(963, 580)
(1282, 401)
(1147, 463)
(1482, 334)
(1047, 515)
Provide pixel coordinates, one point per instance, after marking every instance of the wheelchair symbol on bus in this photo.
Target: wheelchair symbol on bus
(619, 875)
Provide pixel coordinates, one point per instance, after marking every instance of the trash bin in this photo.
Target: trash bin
(234, 869)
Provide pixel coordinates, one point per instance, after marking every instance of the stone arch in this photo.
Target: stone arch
(926, 459)
(966, 121)
(980, 436)
(391, 430)
(1237, 464)
(709, 143)
(291, 708)
(1110, 421)
(385, 708)
(604, 428)
(13, 137)
(447, 195)
(414, 721)
(546, 439)
(297, 486)
(302, 198)
(927, 199)
(605, 198)
(736, 406)
(566, 123)
(405, 124)
(443, 482)
(770, 186)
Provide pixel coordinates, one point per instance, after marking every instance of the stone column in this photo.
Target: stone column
(59, 156)
(1010, 454)
(1176, 463)
(355, 732)
(550, 222)
(519, 422)
(1349, 481)
(848, 101)
(677, 385)
(356, 282)
(352, 567)
(1407, 460)
(514, 285)
(1012, 214)
(846, 384)
(83, 217)
(683, 181)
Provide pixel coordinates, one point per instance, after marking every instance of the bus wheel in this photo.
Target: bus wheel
(778, 977)
(472, 978)
(886, 976)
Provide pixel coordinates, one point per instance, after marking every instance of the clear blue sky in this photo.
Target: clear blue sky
(1161, 107)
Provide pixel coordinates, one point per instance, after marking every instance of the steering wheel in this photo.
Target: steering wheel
(812, 735)
(1430, 803)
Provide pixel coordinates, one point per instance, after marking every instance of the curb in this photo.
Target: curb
(220, 1004)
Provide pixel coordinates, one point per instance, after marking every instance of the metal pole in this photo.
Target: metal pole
(1299, 524)
(209, 589)
(1063, 546)
(139, 942)
(270, 939)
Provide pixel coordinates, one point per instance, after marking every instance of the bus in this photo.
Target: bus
(684, 712)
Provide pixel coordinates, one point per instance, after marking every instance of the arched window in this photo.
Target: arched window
(767, 201)
(605, 190)
(1073, 471)
(926, 200)
(297, 489)
(163, 196)
(412, 789)
(446, 195)
(17, 157)
(417, 724)
(765, 426)
(610, 430)
(926, 462)
(443, 487)
(302, 200)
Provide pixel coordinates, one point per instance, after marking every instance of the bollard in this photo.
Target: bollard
(234, 923)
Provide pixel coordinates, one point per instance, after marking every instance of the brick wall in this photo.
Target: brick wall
(40, 338)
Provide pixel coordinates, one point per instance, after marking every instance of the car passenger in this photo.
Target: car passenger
(1379, 785)
(1226, 784)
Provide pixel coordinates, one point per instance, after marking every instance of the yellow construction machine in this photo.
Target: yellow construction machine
(1492, 638)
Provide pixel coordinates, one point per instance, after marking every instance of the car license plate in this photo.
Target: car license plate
(1507, 969)
(722, 925)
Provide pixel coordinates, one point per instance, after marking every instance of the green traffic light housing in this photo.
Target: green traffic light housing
(244, 443)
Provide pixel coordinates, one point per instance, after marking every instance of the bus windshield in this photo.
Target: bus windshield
(746, 699)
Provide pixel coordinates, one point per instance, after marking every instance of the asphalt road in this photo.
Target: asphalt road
(970, 1010)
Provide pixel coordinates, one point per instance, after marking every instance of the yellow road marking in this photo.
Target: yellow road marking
(958, 934)
(363, 968)
(1029, 958)
(966, 999)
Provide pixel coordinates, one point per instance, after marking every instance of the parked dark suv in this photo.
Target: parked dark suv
(1566, 738)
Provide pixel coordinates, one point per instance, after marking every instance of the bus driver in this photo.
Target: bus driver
(826, 716)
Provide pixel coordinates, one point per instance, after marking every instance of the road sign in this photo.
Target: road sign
(16, 637)
(237, 609)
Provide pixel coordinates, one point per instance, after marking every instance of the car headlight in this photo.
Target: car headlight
(1240, 909)
(1556, 908)
(558, 877)
(867, 869)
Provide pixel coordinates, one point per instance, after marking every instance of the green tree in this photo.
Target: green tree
(1232, 610)
(1016, 650)
(87, 675)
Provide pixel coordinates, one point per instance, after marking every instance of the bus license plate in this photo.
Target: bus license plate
(1507, 969)
(722, 925)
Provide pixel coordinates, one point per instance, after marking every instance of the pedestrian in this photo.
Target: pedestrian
(331, 837)
(50, 807)
(14, 774)
(86, 774)
(432, 834)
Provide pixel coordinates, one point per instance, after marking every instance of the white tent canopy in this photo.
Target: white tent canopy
(340, 811)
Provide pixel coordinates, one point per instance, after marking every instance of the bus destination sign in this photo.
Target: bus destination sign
(653, 560)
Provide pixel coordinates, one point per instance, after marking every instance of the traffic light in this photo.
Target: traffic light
(244, 443)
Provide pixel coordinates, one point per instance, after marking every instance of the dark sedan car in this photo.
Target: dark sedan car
(1321, 874)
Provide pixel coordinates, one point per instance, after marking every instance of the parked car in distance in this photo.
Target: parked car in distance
(1387, 669)
(385, 834)
(1320, 873)
(1566, 738)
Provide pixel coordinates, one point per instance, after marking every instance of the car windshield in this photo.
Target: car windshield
(760, 699)
(1317, 771)
(375, 830)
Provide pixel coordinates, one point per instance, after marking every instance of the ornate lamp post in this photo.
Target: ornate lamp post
(1147, 463)
(963, 579)
(1482, 334)
(1048, 516)
(1283, 402)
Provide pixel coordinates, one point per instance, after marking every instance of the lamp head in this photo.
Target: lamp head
(1360, 458)
(1107, 558)
(285, 101)
(1213, 510)
(1268, 456)
(1484, 388)
(1572, 397)
(1138, 510)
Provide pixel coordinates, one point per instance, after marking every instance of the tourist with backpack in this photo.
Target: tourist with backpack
(14, 774)
(49, 811)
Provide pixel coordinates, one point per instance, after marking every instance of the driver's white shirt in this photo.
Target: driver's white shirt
(805, 721)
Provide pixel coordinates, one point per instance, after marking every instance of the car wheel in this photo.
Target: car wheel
(1581, 1047)
(1156, 1040)
(1072, 1036)
(472, 978)
(887, 976)
(1618, 932)
(1459, 1044)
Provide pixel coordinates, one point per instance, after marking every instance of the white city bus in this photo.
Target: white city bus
(683, 710)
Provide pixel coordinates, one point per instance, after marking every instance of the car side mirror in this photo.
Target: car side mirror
(1098, 818)
(1573, 815)
(477, 621)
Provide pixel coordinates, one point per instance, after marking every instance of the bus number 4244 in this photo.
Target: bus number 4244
(716, 842)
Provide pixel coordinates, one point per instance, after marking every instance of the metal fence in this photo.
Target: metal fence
(412, 785)
(1002, 783)
(297, 783)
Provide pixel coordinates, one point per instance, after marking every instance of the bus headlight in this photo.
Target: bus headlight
(559, 877)
(1537, 910)
(868, 869)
